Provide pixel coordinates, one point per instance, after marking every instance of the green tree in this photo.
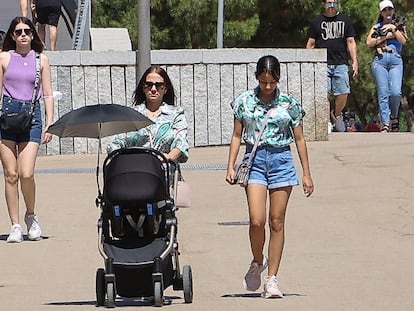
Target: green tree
(286, 23)
(363, 98)
(182, 23)
(261, 23)
(287, 26)
(114, 13)
(241, 22)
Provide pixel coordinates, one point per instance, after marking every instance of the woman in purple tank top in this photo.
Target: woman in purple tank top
(19, 151)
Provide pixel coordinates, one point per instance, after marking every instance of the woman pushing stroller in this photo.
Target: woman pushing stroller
(141, 214)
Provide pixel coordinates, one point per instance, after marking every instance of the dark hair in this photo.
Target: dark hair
(380, 19)
(268, 64)
(169, 96)
(10, 44)
(2, 36)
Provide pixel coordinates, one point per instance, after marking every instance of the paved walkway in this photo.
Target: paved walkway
(349, 247)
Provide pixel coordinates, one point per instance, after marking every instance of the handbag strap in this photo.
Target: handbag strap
(256, 143)
(36, 83)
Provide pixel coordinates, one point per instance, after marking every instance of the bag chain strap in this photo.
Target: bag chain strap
(36, 83)
(256, 143)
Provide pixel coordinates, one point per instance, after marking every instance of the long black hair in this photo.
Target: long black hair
(169, 96)
(2, 36)
(10, 44)
(268, 64)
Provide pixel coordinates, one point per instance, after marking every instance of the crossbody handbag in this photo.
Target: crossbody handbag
(242, 170)
(21, 122)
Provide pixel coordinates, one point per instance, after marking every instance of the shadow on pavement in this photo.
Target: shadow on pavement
(256, 295)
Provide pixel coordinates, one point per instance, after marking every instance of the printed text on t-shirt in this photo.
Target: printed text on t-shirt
(333, 30)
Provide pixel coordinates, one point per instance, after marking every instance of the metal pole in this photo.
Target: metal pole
(220, 19)
(143, 55)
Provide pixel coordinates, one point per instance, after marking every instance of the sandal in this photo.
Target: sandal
(395, 125)
(385, 128)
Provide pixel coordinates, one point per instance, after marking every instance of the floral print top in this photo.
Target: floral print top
(169, 131)
(286, 114)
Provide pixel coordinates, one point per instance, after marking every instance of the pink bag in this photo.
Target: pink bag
(183, 198)
(182, 195)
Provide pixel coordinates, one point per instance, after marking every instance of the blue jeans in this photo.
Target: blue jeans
(387, 70)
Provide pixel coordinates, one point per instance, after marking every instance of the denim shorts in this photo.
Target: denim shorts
(338, 79)
(35, 133)
(272, 167)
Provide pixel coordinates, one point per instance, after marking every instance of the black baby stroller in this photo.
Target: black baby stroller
(137, 229)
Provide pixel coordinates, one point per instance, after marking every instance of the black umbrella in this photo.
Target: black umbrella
(97, 121)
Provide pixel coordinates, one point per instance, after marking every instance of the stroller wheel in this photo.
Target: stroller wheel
(110, 292)
(100, 287)
(187, 284)
(158, 294)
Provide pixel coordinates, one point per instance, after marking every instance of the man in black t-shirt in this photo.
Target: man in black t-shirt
(334, 31)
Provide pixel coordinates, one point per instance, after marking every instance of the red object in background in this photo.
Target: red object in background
(372, 127)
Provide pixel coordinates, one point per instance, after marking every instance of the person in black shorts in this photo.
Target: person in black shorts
(48, 12)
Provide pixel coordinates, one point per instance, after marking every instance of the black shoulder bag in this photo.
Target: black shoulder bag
(21, 122)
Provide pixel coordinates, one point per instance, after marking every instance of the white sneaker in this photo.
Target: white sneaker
(16, 234)
(270, 289)
(252, 279)
(338, 122)
(330, 127)
(33, 229)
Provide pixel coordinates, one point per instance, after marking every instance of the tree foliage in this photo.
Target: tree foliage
(364, 14)
(188, 24)
(192, 24)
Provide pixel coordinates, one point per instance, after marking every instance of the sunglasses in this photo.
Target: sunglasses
(27, 31)
(150, 84)
(388, 8)
(331, 4)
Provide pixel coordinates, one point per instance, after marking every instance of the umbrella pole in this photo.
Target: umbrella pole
(97, 165)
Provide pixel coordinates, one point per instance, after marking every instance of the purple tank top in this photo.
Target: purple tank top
(20, 75)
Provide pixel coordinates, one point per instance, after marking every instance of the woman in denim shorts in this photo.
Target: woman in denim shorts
(19, 151)
(272, 170)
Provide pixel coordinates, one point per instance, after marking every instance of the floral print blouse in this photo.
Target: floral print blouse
(286, 114)
(169, 131)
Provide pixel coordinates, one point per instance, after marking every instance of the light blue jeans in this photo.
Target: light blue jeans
(387, 70)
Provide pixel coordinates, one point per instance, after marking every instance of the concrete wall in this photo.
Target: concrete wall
(205, 81)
